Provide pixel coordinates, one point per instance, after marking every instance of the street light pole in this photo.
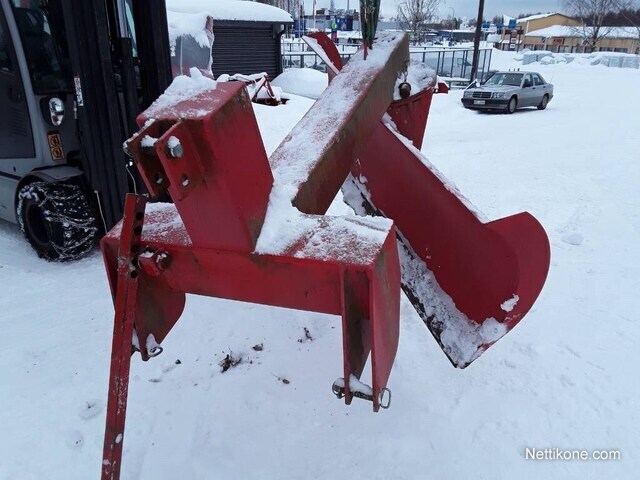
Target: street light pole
(476, 41)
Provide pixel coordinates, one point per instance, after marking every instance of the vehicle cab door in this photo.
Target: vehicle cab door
(16, 136)
(541, 87)
(528, 91)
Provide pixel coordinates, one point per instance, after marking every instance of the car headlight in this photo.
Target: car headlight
(498, 95)
(468, 94)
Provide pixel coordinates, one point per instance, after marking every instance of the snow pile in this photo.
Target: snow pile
(182, 88)
(255, 84)
(231, 10)
(287, 230)
(305, 82)
(189, 24)
(355, 385)
(419, 75)
(607, 59)
(313, 134)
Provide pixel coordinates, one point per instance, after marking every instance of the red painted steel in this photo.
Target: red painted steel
(124, 283)
(327, 49)
(208, 155)
(410, 115)
(233, 194)
(355, 102)
(479, 265)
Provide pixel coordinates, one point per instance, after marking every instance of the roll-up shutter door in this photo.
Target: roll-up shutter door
(245, 48)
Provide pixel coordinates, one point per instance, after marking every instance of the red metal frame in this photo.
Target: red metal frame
(208, 155)
(205, 242)
(479, 265)
(125, 287)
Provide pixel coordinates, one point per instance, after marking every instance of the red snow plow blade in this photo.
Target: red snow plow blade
(471, 281)
(250, 228)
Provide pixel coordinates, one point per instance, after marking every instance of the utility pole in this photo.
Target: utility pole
(314, 14)
(476, 41)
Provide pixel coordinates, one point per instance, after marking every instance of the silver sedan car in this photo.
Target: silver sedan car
(508, 91)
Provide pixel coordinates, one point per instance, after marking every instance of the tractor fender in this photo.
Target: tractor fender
(48, 175)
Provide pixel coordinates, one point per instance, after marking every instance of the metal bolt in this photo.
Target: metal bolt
(175, 150)
(405, 90)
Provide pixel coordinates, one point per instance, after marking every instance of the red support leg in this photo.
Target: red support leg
(125, 308)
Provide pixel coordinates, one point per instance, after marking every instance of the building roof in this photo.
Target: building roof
(237, 10)
(537, 17)
(579, 31)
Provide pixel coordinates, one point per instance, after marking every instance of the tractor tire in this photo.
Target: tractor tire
(512, 105)
(56, 220)
(543, 103)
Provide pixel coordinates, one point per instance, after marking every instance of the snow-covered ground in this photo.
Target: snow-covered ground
(566, 377)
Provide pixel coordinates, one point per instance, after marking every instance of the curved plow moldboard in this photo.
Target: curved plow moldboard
(470, 281)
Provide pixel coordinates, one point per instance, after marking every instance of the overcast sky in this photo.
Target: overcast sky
(463, 8)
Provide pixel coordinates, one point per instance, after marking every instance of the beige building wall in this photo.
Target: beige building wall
(540, 23)
(574, 44)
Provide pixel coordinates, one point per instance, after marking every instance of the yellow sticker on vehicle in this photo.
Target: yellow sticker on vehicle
(55, 146)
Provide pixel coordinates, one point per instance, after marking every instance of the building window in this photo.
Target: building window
(621, 50)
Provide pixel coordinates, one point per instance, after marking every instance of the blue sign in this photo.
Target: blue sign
(344, 23)
(299, 28)
(500, 25)
(512, 23)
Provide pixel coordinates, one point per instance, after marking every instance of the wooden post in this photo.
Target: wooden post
(476, 41)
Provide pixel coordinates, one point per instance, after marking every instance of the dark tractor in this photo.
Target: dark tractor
(73, 76)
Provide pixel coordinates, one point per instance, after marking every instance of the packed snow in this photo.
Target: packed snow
(305, 82)
(182, 88)
(607, 59)
(193, 24)
(238, 10)
(563, 378)
(419, 75)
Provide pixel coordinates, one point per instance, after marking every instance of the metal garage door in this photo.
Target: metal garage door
(246, 48)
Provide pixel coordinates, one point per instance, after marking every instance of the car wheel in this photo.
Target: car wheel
(544, 102)
(512, 105)
(56, 220)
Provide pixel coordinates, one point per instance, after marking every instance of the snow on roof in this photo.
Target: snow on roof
(537, 17)
(579, 31)
(231, 10)
(193, 24)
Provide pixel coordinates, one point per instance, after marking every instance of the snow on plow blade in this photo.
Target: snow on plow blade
(471, 281)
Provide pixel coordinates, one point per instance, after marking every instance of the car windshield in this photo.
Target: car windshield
(45, 47)
(512, 79)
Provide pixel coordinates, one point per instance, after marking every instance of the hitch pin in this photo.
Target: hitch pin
(360, 390)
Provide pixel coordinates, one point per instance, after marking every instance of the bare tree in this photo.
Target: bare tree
(630, 12)
(592, 14)
(415, 15)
